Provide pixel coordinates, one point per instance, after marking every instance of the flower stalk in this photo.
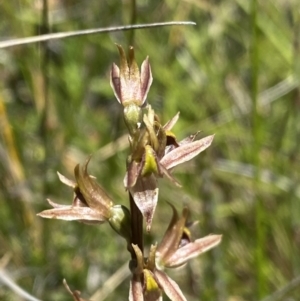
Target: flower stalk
(136, 226)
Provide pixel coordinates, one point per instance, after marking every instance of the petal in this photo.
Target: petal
(191, 250)
(92, 192)
(166, 173)
(123, 62)
(189, 139)
(70, 213)
(151, 258)
(171, 239)
(169, 125)
(132, 174)
(76, 203)
(134, 72)
(170, 287)
(185, 152)
(170, 146)
(146, 79)
(132, 89)
(55, 205)
(145, 195)
(136, 289)
(66, 181)
(129, 79)
(115, 81)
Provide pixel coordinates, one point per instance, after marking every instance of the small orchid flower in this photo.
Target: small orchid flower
(90, 204)
(154, 155)
(177, 246)
(128, 84)
(148, 283)
(131, 87)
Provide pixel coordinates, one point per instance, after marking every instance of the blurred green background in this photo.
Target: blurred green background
(235, 74)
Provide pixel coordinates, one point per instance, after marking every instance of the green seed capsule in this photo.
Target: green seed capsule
(120, 221)
(132, 117)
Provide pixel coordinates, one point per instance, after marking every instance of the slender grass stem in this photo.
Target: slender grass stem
(76, 33)
(257, 141)
(45, 71)
(133, 20)
(294, 202)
